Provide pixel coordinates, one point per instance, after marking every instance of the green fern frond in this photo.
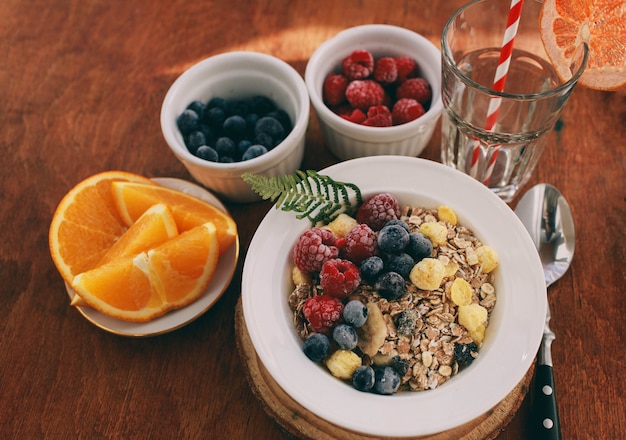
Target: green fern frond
(316, 197)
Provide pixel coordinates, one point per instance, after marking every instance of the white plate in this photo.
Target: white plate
(180, 317)
(511, 340)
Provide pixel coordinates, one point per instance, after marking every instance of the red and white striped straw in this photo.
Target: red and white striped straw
(515, 11)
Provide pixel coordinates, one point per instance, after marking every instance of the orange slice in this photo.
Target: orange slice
(153, 228)
(86, 223)
(565, 25)
(133, 199)
(148, 285)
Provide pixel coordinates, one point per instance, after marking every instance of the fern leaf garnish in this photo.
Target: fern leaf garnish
(314, 196)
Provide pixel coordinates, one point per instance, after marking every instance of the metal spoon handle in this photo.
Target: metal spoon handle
(546, 418)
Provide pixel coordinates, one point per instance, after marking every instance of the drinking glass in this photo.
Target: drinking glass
(503, 155)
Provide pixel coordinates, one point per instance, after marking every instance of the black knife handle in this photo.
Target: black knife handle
(546, 416)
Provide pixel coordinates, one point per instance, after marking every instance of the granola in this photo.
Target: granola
(424, 326)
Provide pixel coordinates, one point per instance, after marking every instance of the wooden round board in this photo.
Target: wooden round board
(302, 424)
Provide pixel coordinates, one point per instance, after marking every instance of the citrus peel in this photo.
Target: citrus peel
(566, 25)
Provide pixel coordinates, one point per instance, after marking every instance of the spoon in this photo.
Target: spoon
(548, 219)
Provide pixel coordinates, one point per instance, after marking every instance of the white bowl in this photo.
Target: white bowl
(236, 75)
(511, 340)
(348, 140)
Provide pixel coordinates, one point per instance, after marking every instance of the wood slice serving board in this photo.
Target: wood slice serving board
(305, 425)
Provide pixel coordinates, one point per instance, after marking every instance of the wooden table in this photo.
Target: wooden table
(82, 86)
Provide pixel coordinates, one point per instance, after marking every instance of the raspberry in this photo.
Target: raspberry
(415, 88)
(385, 70)
(378, 210)
(360, 243)
(407, 68)
(334, 89)
(322, 312)
(313, 248)
(378, 116)
(365, 94)
(388, 100)
(406, 110)
(358, 65)
(339, 278)
(357, 116)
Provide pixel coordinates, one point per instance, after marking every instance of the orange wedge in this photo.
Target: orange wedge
(86, 223)
(153, 228)
(566, 24)
(146, 286)
(133, 199)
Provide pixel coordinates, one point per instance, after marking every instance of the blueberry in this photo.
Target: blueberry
(281, 116)
(363, 378)
(271, 127)
(261, 105)
(187, 121)
(254, 151)
(355, 313)
(194, 140)
(215, 117)
(371, 268)
(316, 347)
(390, 285)
(217, 102)
(345, 336)
(265, 140)
(419, 246)
(242, 146)
(241, 107)
(386, 380)
(251, 120)
(197, 106)
(209, 136)
(464, 354)
(235, 127)
(207, 153)
(399, 223)
(225, 146)
(400, 364)
(406, 322)
(401, 263)
(392, 239)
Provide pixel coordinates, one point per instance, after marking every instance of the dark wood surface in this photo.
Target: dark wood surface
(82, 85)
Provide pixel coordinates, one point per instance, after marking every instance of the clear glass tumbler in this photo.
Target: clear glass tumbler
(502, 156)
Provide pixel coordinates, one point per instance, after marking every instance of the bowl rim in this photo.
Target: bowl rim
(508, 353)
(356, 131)
(259, 60)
